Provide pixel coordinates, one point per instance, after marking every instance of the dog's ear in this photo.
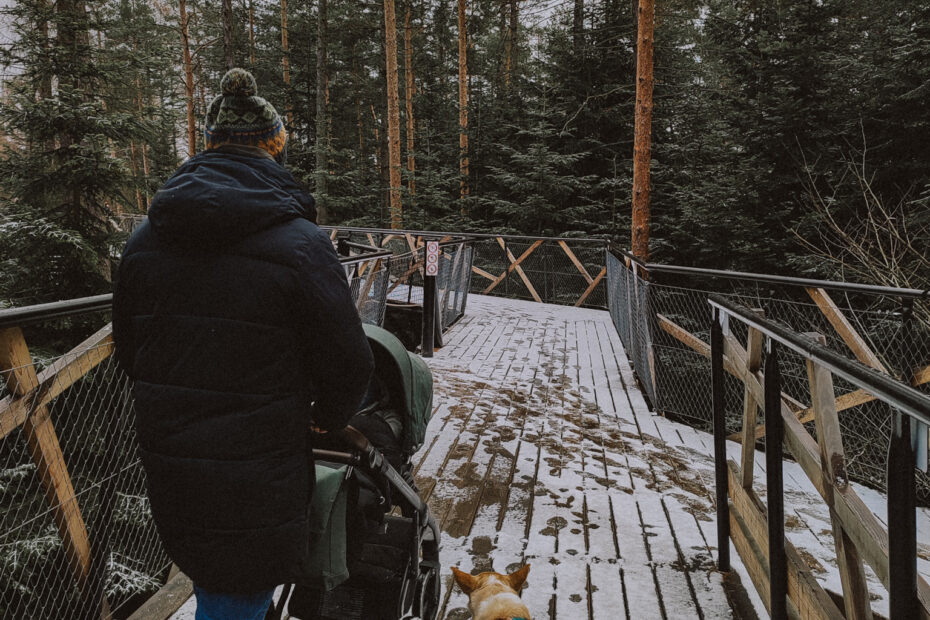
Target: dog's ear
(518, 578)
(467, 582)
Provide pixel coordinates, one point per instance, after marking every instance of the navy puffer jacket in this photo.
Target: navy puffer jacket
(231, 314)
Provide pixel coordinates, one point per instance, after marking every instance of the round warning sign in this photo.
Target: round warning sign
(432, 258)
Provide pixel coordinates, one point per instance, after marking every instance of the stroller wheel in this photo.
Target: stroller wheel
(428, 591)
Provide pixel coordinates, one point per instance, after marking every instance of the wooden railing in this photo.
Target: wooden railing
(578, 278)
(503, 257)
(27, 406)
(81, 385)
(781, 576)
(664, 328)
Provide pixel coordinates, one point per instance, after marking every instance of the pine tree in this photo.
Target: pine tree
(63, 179)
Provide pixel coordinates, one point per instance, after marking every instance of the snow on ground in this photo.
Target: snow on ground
(542, 450)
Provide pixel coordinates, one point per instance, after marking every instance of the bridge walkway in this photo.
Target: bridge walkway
(542, 450)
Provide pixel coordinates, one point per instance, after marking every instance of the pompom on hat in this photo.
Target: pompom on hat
(240, 116)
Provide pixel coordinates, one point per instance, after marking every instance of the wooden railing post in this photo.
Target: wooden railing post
(750, 406)
(788, 586)
(833, 465)
(21, 380)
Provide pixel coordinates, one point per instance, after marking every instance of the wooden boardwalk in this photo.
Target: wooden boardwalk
(542, 450)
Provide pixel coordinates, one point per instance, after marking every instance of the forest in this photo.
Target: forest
(788, 136)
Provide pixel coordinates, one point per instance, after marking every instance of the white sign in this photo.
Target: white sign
(432, 258)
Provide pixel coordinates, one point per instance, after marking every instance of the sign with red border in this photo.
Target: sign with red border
(432, 258)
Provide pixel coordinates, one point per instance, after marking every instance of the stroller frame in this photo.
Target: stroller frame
(419, 596)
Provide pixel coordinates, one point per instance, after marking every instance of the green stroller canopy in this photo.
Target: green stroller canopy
(409, 382)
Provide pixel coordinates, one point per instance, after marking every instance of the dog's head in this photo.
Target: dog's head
(486, 586)
(470, 583)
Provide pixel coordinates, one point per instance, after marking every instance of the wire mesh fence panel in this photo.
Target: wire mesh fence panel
(629, 311)
(666, 333)
(406, 278)
(551, 271)
(453, 281)
(74, 519)
(368, 284)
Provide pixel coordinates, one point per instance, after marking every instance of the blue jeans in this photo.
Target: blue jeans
(216, 606)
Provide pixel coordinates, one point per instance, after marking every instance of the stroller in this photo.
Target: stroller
(374, 544)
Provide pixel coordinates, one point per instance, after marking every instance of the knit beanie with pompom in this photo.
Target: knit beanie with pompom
(239, 116)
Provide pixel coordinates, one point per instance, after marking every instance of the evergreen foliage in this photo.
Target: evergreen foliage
(67, 116)
(758, 109)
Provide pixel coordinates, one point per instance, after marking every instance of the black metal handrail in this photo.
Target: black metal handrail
(909, 406)
(370, 252)
(904, 397)
(14, 317)
(850, 287)
(467, 235)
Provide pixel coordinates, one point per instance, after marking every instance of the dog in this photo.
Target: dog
(492, 596)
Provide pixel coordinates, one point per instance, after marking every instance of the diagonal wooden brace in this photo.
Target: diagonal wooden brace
(23, 382)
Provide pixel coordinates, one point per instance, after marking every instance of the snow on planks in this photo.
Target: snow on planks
(612, 505)
(542, 450)
(550, 457)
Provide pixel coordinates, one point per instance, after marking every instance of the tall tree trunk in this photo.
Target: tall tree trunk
(251, 33)
(322, 123)
(578, 27)
(286, 64)
(144, 148)
(442, 9)
(393, 108)
(642, 145)
(358, 106)
(463, 105)
(502, 61)
(227, 34)
(201, 86)
(134, 162)
(188, 79)
(409, 92)
(383, 174)
(45, 85)
(70, 36)
(511, 44)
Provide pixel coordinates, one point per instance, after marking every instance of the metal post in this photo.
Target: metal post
(774, 433)
(429, 314)
(902, 498)
(412, 262)
(720, 444)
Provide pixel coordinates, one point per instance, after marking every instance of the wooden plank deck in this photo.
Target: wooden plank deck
(542, 450)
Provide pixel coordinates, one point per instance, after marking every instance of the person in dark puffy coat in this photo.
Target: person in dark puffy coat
(231, 315)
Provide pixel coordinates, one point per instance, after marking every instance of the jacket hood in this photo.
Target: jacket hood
(219, 198)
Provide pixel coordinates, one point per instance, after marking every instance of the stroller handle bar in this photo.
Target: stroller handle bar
(374, 460)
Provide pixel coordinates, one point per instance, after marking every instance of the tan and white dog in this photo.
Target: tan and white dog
(492, 596)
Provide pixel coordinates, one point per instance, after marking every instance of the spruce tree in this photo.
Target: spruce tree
(63, 175)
